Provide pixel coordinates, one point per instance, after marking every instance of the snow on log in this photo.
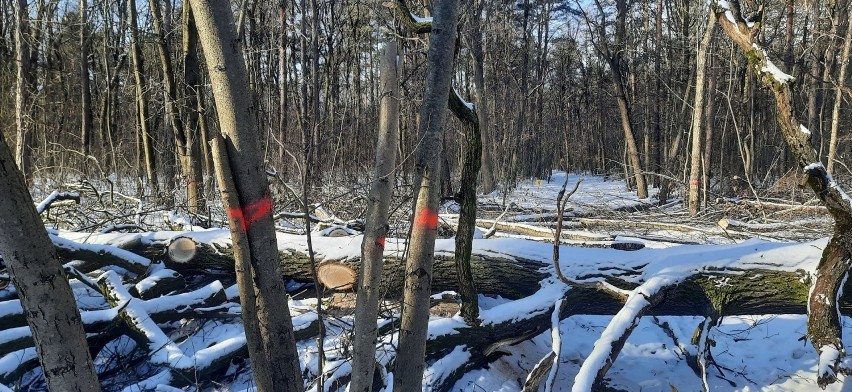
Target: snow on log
(89, 257)
(161, 349)
(733, 292)
(510, 277)
(57, 196)
(159, 283)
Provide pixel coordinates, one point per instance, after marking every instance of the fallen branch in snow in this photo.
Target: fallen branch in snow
(612, 340)
(780, 207)
(540, 231)
(589, 223)
(549, 365)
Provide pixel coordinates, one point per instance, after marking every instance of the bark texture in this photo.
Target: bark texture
(418, 274)
(697, 111)
(373, 244)
(222, 51)
(42, 286)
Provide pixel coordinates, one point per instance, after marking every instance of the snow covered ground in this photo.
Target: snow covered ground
(595, 192)
(766, 352)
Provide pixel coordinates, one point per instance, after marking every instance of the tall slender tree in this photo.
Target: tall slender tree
(408, 373)
(376, 230)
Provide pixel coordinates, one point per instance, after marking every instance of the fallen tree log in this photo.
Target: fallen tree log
(734, 292)
(510, 277)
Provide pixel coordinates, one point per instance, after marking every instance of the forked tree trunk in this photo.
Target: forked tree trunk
(408, 373)
(376, 230)
(697, 111)
(616, 61)
(43, 288)
(190, 164)
(276, 368)
(476, 48)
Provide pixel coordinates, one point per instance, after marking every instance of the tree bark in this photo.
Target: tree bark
(615, 58)
(86, 104)
(408, 373)
(697, 111)
(279, 369)
(141, 101)
(192, 86)
(838, 96)
(466, 197)
(475, 39)
(376, 222)
(22, 93)
(52, 312)
(823, 325)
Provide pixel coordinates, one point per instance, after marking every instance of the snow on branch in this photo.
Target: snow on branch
(54, 197)
(824, 328)
(612, 339)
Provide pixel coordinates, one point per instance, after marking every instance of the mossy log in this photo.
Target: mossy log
(727, 292)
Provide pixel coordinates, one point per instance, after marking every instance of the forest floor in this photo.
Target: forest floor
(757, 352)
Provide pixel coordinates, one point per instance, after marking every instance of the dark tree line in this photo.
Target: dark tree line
(607, 86)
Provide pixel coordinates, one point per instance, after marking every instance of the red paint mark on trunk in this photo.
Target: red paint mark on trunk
(426, 219)
(251, 213)
(380, 242)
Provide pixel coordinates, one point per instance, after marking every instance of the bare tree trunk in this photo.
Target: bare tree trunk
(615, 58)
(22, 93)
(86, 123)
(838, 96)
(697, 111)
(45, 294)
(170, 97)
(282, 81)
(658, 148)
(192, 85)
(141, 101)
(709, 115)
(408, 373)
(466, 197)
(476, 48)
(276, 366)
(373, 245)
